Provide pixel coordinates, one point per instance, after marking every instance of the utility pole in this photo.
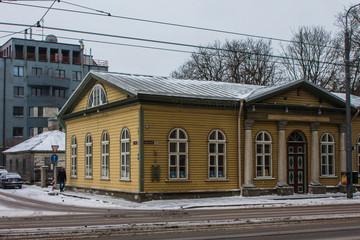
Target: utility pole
(349, 148)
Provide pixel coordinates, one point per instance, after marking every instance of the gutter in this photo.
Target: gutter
(239, 144)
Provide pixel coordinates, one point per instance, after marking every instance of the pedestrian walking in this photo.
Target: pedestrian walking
(61, 179)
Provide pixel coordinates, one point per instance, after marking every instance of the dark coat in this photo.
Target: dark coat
(61, 176)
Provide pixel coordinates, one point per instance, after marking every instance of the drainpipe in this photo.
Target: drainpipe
(239, 144)
(141, 150)
(4, 106)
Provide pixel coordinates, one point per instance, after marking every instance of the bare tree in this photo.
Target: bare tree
(354, 30)
(235, 61)
(313, 55)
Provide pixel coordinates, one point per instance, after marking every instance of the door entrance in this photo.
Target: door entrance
(296, 159)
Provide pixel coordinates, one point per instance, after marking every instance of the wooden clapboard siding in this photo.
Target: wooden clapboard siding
(198, 123)
(271, 128)
(292, 98)
(113, 122)
(112, 95)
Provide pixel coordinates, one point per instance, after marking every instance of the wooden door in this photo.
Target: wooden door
(296, 162)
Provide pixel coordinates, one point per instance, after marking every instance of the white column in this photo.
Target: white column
(248, 161)
(282, 181)
(342, 130)
(314, 154)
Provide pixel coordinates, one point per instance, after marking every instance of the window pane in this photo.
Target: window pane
(221, 148)
(181, 135)
(212, 148)
(182, 147)
(173, 147)
(267, 148)
(220, 136)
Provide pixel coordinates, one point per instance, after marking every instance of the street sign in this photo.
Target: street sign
(55, 148)
(54, 158)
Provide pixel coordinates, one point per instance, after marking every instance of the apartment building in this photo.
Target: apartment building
(36, 79)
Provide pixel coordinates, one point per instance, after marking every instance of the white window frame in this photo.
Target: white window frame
(105, 158)
(125, 154)
(88, 156)
(327, 157)
(216, 171)
(176, 170)
(263, 170)
(97, 96)
(73, 163)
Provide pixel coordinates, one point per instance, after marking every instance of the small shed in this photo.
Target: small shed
(27, 157)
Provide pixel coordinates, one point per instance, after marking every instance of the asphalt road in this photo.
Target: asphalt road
(218, 223)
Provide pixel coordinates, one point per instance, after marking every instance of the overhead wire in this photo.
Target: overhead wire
(162, 42)
(108, 14)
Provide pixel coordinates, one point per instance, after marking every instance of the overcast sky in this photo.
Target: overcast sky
(269, 18)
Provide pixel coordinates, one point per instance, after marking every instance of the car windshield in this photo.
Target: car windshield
(13, 176)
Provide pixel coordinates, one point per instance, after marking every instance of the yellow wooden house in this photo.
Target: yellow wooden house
(145, 137)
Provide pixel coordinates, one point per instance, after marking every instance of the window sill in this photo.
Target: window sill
(264, 178)
(217, 180)
(104, 179)
(328, 176)
(74, 177)
(89, 178)
(125, 180)
(178, 180)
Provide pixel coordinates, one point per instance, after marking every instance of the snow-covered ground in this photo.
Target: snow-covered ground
(100, 201)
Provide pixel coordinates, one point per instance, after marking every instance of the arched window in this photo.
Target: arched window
(358, 153)
(327, 145)
(88, 156)
(178, 154)
(217, 154)
(97, 96)
(125, 154)
(263, 148)
(73, 164)
(105, 142)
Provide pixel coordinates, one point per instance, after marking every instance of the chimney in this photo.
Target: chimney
(53, 124)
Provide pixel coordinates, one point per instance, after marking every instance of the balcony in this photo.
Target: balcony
(48, 80)
(31, 56)
(65, 59)
(42, 57)
(19, 55)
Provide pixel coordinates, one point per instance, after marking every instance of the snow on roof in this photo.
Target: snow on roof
(355, 100)
(140, 84)
(41, 143)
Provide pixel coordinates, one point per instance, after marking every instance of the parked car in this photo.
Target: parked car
(2, 170)
(11, 180)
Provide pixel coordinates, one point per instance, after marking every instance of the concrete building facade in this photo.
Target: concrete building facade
(36, 79)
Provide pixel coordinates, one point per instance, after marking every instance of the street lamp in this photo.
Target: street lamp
(349, 185)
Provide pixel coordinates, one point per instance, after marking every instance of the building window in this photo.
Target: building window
(36, 71)
(18, 111)
(217, 154)
(263, 154)
(31, 132)
(88, 156)
(327, 145)
(40, 111)
(36, 91)
(73, 157)
(59, 92)
(59, 73)
(105, 142)
(77, 76)
(18, 71)
(125, 154)
(178, 154)
(40, 130)
(18, 132)
(18, 91)
(97, 96)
